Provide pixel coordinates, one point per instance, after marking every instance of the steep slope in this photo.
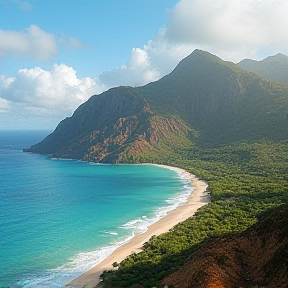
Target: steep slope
(205, 100)
(98, 127)
(258, 257)
(221, 101)
(274, 68)
(107, 125)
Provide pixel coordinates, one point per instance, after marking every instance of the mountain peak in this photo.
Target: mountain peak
(273, 68)
(197, 60)
(202, 100)
(200, 55)
(276, 58)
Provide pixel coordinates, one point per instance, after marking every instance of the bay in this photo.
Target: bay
(58, 218)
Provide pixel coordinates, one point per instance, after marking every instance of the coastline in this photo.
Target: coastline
(198, 198)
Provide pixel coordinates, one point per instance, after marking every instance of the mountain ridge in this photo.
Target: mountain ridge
(207, 97)
(274, 68)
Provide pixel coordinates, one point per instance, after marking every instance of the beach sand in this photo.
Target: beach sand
(197, 199)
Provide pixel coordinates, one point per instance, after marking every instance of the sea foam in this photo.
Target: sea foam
(84, 261)
(77, 265)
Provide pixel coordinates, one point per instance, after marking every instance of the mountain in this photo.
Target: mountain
(257, 257)
(203, 101)
(274, 68)
(224, 124)
(100, 127)
(220, 101)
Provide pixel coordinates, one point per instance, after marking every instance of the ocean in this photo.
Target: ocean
(58, 218)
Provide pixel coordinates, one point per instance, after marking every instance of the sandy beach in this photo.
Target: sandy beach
(197, 199)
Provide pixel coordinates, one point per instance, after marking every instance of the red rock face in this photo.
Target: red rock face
(257, 257)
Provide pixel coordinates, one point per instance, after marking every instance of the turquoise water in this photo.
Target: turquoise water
(60, 217)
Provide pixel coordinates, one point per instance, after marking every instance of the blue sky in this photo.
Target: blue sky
(55, 54)
(106, 30)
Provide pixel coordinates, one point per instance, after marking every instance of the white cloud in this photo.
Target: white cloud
(231, 29)
(41, 92)
(148, 64)
(70, 43)
(33, 43)
(137, 71)
(22, 5)
(4, 105)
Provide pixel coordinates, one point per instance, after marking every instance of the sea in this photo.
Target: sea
(58, 218)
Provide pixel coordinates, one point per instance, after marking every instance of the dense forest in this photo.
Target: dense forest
(245, 181)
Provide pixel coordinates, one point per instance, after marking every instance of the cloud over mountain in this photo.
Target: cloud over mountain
(47, 92)
(232, 29)
(241, 28)
(138, 71)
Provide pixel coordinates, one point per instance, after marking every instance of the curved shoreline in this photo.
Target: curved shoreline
(198, 198)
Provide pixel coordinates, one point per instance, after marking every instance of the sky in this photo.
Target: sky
(55, 54)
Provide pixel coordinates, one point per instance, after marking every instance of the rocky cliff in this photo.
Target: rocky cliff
(258, 257)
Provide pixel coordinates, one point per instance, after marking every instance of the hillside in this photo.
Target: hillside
(245, 180)
(100, 128)
(274, 68)
(205, 100)
(257, 257)
(220, 101)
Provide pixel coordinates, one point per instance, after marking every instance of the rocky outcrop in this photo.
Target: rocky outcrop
(100, 128)
(258, 257)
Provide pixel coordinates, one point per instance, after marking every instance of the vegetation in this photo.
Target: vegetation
(273, 68)
(205, 100)
(256, 257)
(244, 179)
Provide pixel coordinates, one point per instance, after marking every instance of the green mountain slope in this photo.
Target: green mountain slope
(220, 100)
(244, 180)
(205, 100)
(274, 68)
